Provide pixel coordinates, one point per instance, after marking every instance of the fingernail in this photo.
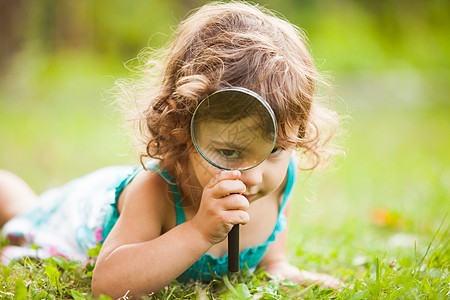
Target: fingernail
(236, 172)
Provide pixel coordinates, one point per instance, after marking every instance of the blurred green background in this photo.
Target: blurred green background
(389, 61)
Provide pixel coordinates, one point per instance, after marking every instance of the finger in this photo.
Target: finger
(235, 202)
(237, 217)
(227, 187)
(223, 175)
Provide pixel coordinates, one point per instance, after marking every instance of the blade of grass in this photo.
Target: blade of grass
(419, 265)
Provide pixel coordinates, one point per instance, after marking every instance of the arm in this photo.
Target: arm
(136, 257)
(147, 267)
(275, 262)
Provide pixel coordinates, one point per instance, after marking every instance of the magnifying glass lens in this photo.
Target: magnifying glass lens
(234, 129)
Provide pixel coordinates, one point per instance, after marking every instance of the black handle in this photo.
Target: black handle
(233, 249)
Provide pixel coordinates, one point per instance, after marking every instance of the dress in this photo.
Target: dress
(72, 219)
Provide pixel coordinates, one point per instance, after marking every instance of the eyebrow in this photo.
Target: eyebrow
(228, 144)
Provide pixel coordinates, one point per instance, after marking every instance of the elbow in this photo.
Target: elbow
(98, 285)
(103, 284)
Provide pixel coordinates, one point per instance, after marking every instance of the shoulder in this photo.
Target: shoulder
(144, 211)
(146, 184)
(146, 200)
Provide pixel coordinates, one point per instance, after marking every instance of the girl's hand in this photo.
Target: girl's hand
(222, 206)
(284, 270)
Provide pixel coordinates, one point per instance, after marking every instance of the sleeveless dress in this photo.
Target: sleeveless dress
(70, 220)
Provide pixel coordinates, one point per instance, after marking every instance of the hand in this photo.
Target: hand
(222, 206)
(283, 270)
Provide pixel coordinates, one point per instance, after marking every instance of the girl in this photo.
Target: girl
(169, 219)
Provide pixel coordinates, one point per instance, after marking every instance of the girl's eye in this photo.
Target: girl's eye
(276, 150)
(229, 153)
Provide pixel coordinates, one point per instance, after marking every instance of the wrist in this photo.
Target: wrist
(197, 235)
(280, 258)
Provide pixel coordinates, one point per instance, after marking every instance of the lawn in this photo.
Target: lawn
(377, 218)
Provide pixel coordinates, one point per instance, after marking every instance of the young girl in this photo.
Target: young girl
(169, 219)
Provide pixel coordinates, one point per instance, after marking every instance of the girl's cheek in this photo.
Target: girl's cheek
(203, 171)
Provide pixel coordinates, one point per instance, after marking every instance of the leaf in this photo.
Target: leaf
(41, 295)
(242, 291)
(63, 263)
(77, 295)
(288, 283)
(359, 295)
(20, 291)
(53, 275)
(264, 290)
(94, 252)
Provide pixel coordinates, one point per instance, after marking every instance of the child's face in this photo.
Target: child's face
(260, 181)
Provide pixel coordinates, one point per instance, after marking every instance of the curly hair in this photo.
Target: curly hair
(230, 44)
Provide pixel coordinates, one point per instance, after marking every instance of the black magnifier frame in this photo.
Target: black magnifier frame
(266, 124)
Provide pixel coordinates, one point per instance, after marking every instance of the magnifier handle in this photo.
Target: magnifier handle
(233, 249)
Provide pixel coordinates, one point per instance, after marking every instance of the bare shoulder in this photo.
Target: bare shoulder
(145, 210)
(145, 189)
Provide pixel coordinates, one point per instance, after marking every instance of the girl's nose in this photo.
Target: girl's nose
(253, 176)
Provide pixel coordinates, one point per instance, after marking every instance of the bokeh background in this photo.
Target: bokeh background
(388, 61)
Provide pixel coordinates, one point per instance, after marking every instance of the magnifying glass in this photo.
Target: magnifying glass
(234, 129)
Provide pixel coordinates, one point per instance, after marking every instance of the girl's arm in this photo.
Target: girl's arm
(275, 257)
(145, 267)
(138, 258)
(275, 262)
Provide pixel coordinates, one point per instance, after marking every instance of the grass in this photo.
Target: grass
(377, 219)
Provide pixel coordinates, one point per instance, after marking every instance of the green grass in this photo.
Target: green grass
(377, 218)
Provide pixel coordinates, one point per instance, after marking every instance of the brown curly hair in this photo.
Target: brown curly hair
(230, 44)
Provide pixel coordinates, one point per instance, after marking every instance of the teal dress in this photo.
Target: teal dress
(72, 219)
